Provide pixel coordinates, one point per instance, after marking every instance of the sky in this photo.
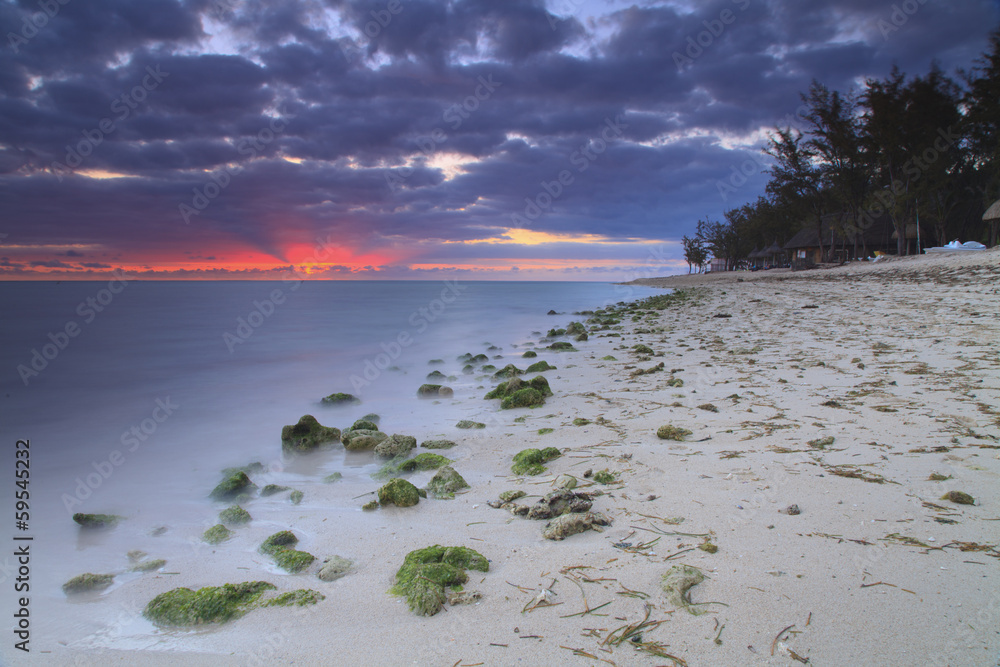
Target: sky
(414, 139)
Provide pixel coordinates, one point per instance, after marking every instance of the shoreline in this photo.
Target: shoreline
(867, 557)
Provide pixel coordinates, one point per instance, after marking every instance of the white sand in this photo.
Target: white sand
(853, 596)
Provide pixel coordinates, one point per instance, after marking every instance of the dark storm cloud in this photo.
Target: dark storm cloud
(519, 91)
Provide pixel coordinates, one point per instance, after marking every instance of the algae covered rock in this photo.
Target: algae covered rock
(281, 540)
(436, 375)
(88, 582)
(308, 434)
(959, 498)
(272, 489)
(234, 516)
(671, 432)
(445, 482)
(570, 524)
(334, 568)
(508, 371)
(363, 439)
(516, 393)
(148, 565)
(523, 398)
(237, 485)
(279, 547)
(435, 391)
(295, 497)
(217, 534)
(333, 477)
(512, 495)
(467, 424)
(437, 444)
(398, 492)
(297, 598)
(530, 354)
(604, 477)
(540, 367)
(529, 461)
(365, 424)
(396, 445)
(425, 461)
(427, 573)
(370, 506)
(212, 604)
(556, 503)
(575, 329)
(341, 399)
(562, 346)
(676, 583)
(97, 520)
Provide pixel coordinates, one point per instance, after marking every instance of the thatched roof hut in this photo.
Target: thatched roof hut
(992, 216)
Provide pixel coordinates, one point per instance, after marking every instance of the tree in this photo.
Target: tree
(982, 127)
(795, 178)
(695, 253)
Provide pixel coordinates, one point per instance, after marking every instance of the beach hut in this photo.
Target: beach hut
(992, 218)
(774, 254)
(755, 258)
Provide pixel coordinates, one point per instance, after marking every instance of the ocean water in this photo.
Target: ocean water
(134, 396)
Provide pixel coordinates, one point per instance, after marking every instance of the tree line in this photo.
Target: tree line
(923, 150)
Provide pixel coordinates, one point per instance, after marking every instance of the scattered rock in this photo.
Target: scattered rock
(445, 482)
(361, 440)
(792, 510)
(272, 489)
(465, 423)
(510, 496)
(334, 568)
(604, 477)
(676, 583)
(540, 367)
(959, 497)
(297, 598)
(97, 520)
(333, 477)
(435, 391)
(708, 547)
(671, 432)
(212, 604)
(508, 371)
(370, 506)
(566, 482)
(217, 534)
(530, 354)
(821, 443)
(427, 573)
(236, 486)
(580, 421)
(396, 445)
(436, 375)
(341, 399)
(295, 497)
(88, 582)
(437, 444)
(308, 434)
(529, 461)
(363, 424)
(708, 407)
(278, 547)
(562, 346)
(398, 492)
(234, 516)
(148, 565)
(570, 524)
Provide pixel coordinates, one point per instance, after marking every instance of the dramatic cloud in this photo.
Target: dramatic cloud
(566, 139)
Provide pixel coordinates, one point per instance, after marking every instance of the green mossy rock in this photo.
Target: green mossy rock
(466, 424)
(212, 604)
(334, 568)
(333, 477)
(272, 489)
(234, 516)
(341, 399)
(250, 469)
(437, 444)
(396, 445)
(398, 492)
(307, 435)
(363, 440)
(530, 461)
(435, 391)
(424, 461)
(530, 354)
(509, 496)
(436, 375)
(517, 393)
(297, 598)
(291, 560)
(468, 369)
(562, 346)
(217, 534)
(371, 505)
(575, 329)
(604, 477)
(281, 540)
(582, 338)
(479, 359)
(372, 417)
(148, 565)
(295, 497)
(427, 573)
(445, 482)
(508, 371)
(580, 421)
(540, 367)
(523, 398)
(671, 432)
(642, 349)
(609, 357)
(237, 485)
(364, 424)
(97, 520)
(88, 582)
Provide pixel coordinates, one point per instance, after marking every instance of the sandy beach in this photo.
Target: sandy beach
(839, 391)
